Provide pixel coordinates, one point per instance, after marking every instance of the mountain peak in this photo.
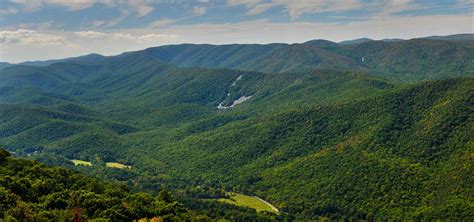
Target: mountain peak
(356, 41)
(320, 42)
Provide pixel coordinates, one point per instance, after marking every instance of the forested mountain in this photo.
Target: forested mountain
(85, 58)
(377, 130)
(4, 64)
(457, 37)
(428, 58)
(401, 61)
(356, 41)
(406, 145)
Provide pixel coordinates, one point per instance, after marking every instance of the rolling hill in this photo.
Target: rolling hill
(378, 130)
(401, 61)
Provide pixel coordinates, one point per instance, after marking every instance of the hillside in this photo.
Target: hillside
(457, 38)
(4, 64)
(399, 144)
(64, 123)
(234, 149)
(401, 61)
(379, 130)
(30, 191)
(417, 59)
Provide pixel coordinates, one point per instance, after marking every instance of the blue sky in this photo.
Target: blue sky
(45, 29)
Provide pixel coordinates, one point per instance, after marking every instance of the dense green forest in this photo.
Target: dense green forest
(400, 61)
(371, 130)
(30, 191)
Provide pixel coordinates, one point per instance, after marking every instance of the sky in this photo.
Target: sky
(51, 29)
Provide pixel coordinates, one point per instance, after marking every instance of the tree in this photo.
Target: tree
(3, 154)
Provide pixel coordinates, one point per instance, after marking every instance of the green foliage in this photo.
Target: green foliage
(344, 141)
(375, 158)
(402, 61)
(33, 192)
(3, 155)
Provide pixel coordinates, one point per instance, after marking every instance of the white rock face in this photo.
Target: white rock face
(237, 101)
(240, 100)
(235, 82)
(221, 106)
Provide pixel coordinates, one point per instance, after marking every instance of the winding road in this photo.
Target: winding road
(268, 204)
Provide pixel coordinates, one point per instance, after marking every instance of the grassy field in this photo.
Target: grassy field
(117, 165)
(81, 162)
(247, 201)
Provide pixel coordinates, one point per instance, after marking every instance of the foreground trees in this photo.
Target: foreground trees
(30, 191)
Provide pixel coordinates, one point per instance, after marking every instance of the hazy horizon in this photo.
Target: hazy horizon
(109, 27)
(114, 54)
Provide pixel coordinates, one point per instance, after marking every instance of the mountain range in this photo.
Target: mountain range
(372, 130)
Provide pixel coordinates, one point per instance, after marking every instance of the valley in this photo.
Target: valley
(228, 129)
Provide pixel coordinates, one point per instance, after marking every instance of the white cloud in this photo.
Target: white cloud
(394, 6)
(123, 36)
(48, 25)
(111, 22)
(297, 8)
(248, 3)
(23, 44)
(90, 34)
(469, 3)
(98, 23)
(155, 37)
(162, 23)
(73, 5)
(119, 35)
(257, 9)
(115, 21)
(199, 10)
(27, 37)
(141, 6)
(8, 11)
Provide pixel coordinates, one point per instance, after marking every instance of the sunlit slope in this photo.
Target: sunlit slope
(343, 157)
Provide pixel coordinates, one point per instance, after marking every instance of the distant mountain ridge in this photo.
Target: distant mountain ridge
(384, 59)
(5, 64)
(468, 37)
(356, 41)
(401, 61)
(85, 58)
